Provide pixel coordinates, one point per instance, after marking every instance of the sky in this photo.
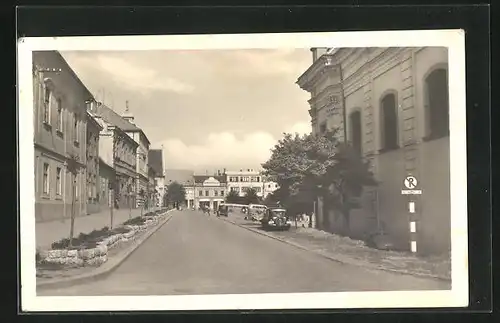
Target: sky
(210, 109)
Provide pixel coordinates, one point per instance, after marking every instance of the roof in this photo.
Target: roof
(115, 119)
(155, 157)
(181, 176)
(93, 121)
(202, 178)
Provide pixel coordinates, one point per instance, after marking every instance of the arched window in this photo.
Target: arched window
(437, 107)
(356, 134)
(389, 122)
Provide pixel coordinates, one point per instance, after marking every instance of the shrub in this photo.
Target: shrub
(84, 240)
(135, 221)
(120, 230)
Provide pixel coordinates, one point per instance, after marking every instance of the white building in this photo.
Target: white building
(240, 181)
(269, 187)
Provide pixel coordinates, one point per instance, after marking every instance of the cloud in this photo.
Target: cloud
(301, 128)
(224, 149)
(128, 74)
(220, 150)
(287, 62)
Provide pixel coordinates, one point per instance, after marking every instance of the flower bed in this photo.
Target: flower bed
(92, 249)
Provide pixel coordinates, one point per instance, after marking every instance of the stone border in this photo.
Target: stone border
(106, 268)
(341, 260)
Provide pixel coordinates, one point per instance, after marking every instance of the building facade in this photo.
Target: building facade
(393, 103)
(60, 133)
(156, 162)
(269, 188)
(142, 156)
(240, 181)
(119, 150)
(208, 191)
(93, 163)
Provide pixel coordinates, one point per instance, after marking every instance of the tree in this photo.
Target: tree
(73, 167)
(176, 194)
(306, 167)
(232, 197)
(142, 194)
(251, 196)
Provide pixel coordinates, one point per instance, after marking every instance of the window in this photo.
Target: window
(389, 122)
(200, 193)
(46, 105)
(257, 189)
(356, 135)
(322, 128)
(58, 181)
(216, 193)
(206, 193)
(221, 193)
(437, 107)
(45, 178)
(59, 116)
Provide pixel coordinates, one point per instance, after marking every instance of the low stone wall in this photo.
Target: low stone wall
(98, 255)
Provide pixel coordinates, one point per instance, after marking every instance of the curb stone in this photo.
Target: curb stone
(341, 260)
(105, 269)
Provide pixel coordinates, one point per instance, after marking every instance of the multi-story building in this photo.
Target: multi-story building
(156, 163)
(60, 128)
(269, 188)
(142, 168)
(119, 149)
(208, 191)
(240, 181)
(93, 181)
(394, 105)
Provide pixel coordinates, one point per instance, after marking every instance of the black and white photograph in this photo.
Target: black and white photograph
(252, 171)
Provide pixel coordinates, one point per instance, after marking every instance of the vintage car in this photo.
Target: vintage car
(276, 218)
(223, 210)
(255, 212)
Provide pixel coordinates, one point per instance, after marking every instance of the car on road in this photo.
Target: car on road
(223, 210)
(275, 218)
(255, 212)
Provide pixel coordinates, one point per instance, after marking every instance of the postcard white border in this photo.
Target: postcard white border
(456, 297)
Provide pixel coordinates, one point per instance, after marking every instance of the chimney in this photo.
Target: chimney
(314, 54)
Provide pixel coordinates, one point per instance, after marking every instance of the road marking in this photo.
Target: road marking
(413, 227)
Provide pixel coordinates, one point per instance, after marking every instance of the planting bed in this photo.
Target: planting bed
(93, 249)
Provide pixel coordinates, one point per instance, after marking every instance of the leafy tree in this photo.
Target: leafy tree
(73, 167)
(142, 194)
(176, 194)
(309, 166)
(232, 197)
(251, 196)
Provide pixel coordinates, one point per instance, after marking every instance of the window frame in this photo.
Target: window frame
(58, 181)
(46, 179)
(384, 147)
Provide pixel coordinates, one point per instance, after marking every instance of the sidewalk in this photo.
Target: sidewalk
(49, 232)
(355, 252)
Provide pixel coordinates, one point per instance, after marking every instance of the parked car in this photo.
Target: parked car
(223, 210)
(255, 212)
(276, 218)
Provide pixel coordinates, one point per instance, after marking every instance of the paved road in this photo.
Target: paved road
(197, 254)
